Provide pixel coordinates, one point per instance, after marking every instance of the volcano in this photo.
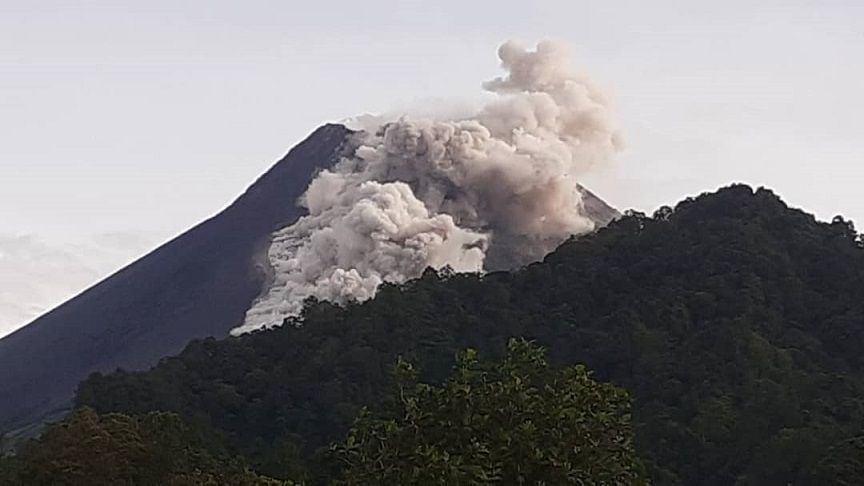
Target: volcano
(197, 285)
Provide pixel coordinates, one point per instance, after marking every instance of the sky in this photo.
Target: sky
(123, 123)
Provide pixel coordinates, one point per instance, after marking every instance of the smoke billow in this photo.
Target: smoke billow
(496, 190)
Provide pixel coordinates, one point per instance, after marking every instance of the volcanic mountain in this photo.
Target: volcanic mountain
(199, 284)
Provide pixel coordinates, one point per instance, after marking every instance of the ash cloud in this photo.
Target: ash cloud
(494, 190)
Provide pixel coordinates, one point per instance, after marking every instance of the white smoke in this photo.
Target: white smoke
(496, 190)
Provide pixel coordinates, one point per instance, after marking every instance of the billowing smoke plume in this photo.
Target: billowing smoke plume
(497, 190)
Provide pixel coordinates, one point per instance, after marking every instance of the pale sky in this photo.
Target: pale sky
(123, 123)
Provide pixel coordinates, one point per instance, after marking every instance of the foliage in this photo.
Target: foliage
(734, 322)
(842, 465)
(517, 422)
(156, 449)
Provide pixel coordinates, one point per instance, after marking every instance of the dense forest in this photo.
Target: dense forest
(513, 421)
(734, 322)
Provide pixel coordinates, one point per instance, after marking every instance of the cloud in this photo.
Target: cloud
(39, 273)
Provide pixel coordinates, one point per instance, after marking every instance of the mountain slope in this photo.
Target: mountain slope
(200, 284)
(735, 322)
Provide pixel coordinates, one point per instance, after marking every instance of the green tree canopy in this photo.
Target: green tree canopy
(513, 422)
(735, 322)
(87, 449)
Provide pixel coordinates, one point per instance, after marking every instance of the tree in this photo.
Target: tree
(513, 422)
(842, 464)
(735, 325)
(115, 449)
(8, 470)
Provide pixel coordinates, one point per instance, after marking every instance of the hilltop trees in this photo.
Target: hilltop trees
(87, 449)
(518, 421)
(734, 322)
(514, 422)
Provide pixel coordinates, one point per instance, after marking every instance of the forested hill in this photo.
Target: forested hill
(735, 322)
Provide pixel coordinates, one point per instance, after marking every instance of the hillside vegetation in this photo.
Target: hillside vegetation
(734, 322)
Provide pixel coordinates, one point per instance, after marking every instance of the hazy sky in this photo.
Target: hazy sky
(123, 123)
